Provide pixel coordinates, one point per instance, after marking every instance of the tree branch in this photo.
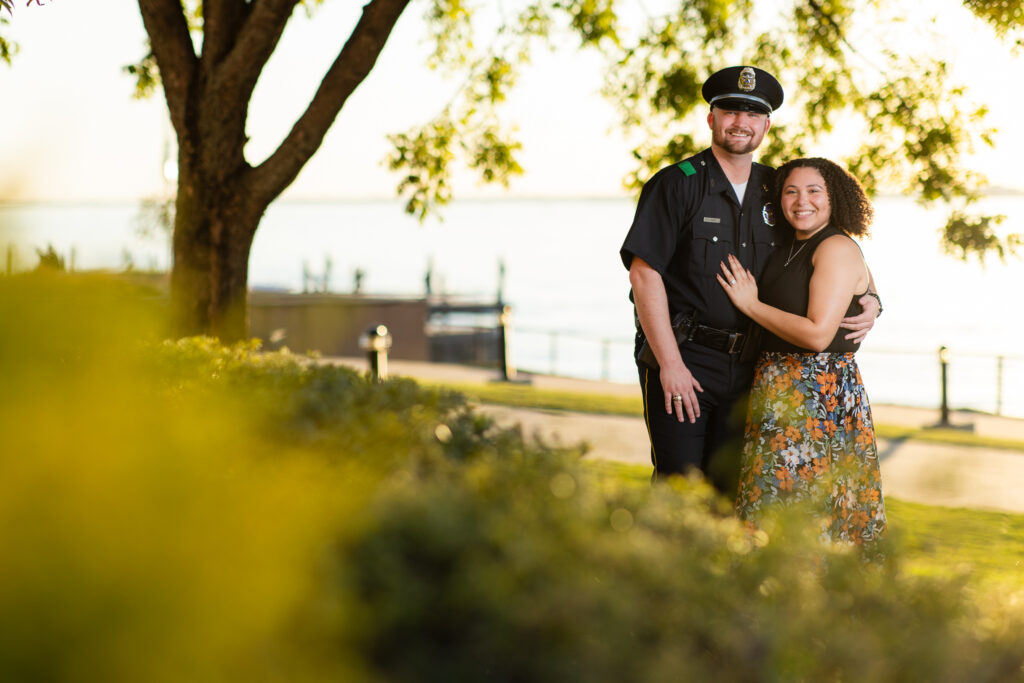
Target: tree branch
(237, 74)
(172, 46)
(222, 20)
(353, 64)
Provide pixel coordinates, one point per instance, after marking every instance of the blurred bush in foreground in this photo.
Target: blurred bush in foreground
(182, 511)
(149, 534)
(519, 571)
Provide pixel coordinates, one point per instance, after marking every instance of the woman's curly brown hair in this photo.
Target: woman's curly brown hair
(851, 210)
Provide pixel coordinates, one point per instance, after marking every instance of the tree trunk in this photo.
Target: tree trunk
(221, 197)
(213, 231)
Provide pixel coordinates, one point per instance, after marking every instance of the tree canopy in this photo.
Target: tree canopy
(887, 103)
(8, 49)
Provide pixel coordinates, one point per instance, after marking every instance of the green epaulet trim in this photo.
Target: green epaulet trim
(686, 167)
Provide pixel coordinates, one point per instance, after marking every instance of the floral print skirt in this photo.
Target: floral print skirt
(810, 441)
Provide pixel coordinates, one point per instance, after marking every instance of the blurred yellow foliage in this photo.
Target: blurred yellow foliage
(185, 511)
(146, 537)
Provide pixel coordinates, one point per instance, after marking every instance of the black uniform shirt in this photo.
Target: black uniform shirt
(688, 220)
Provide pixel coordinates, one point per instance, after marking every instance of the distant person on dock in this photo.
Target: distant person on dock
(810, 436)
(689, 339)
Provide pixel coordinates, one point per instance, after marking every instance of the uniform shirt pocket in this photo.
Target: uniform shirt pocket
(712, 242)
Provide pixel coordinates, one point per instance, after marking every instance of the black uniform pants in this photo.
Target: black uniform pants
(714, 443)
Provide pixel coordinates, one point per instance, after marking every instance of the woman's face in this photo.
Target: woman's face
(805, 201)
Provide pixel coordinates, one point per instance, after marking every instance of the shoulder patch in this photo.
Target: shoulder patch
(686, 167)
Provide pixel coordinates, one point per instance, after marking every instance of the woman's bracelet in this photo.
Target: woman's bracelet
(879, 300)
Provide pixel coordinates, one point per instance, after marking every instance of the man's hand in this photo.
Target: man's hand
(652, 309)
(861, 324)
(681, 392)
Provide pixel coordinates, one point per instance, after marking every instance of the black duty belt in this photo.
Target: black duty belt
(729, 341)
(686, 329)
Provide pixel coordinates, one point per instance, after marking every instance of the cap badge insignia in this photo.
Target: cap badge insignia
(747, 80)
(768, 214)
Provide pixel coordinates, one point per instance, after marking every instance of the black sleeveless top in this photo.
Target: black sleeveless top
(785, 284)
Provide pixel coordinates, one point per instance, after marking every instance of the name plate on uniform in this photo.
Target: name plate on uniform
(712, 219)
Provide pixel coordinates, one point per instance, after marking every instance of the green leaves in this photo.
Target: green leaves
(964, 235)
(1005, 17)
(147, 76)
(450, 29)
(593, 20)
(494, 156)
(655, 80)
(469, 128)
(892, 109)
(7, 48)
(424, 154)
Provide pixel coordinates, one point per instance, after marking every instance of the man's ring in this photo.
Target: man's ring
(677, 397)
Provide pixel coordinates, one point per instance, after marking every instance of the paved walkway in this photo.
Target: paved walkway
(917, 471)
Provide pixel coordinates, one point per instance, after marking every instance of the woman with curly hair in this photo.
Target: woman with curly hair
(809, 436)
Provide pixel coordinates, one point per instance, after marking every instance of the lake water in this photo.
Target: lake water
(568, 289)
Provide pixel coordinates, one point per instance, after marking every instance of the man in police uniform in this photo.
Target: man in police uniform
(690, 216)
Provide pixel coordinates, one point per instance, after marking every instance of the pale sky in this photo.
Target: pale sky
(69, 129)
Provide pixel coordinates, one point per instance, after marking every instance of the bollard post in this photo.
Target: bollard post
(553, 352)
(508, 370)
(999, 385)
(944, 367)
(376, 342)
(605, 359)
(501, 281)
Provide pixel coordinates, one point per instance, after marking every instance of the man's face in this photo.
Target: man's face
(737, 132)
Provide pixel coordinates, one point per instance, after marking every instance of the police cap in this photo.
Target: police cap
(743, 88)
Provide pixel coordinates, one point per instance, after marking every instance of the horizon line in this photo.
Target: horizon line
(70, 201)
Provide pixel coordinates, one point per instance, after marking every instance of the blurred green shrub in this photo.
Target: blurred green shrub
(524, 571)
(184, 511)
(147, 535)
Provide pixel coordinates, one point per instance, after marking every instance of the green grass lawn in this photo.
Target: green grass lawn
(988, 546)
(943, 541)
(938, 541)
(524, 396)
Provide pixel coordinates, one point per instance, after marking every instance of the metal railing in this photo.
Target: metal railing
(555, 348)
(946, 378)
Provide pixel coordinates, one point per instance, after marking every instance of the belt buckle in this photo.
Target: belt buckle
(734, 340)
